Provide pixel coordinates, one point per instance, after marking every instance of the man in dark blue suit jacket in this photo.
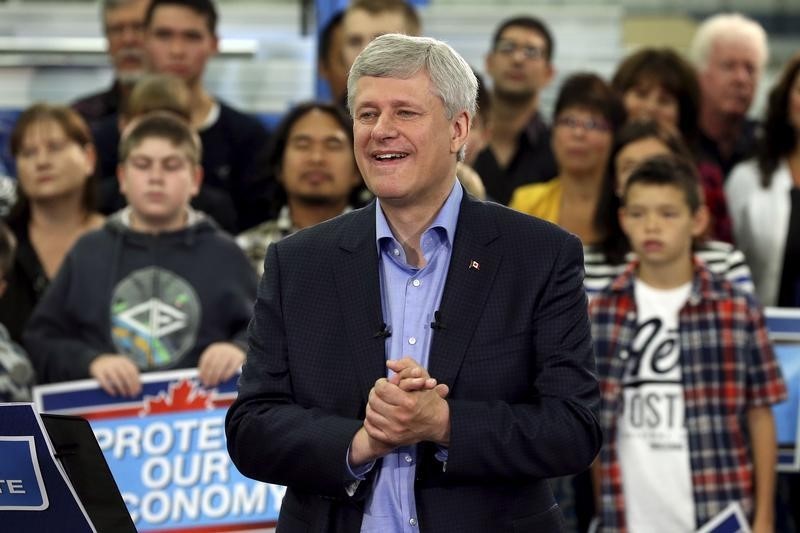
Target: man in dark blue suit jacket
(499, 390)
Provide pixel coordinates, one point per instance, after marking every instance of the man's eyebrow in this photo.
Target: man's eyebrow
(392, 104)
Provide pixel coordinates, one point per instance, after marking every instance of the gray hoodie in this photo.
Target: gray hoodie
(159, 299)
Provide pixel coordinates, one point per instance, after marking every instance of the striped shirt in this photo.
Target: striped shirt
(721, 258)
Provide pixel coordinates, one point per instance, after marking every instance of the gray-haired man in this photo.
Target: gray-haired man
(123, 26)
(424, 362)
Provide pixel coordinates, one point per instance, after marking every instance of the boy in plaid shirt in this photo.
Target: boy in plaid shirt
(687, 373)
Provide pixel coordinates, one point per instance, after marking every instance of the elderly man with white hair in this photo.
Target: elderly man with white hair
(729, 51)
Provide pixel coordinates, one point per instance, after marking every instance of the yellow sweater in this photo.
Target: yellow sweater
(542, 200)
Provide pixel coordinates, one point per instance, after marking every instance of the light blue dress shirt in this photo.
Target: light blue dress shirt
(410, 297)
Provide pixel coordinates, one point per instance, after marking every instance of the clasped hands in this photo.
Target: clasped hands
(407, 408)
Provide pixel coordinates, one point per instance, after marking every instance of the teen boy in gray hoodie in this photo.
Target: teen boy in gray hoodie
(158, 287)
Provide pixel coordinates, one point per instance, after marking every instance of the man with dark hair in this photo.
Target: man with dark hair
(311, 158)
(330, 61)
(366, 19)
(123, 25)
(520, 67)
(180, 39)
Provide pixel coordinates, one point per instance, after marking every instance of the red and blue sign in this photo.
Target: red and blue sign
(168, 453)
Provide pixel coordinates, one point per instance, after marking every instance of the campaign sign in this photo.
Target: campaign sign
(784, 331)
(168, 453)
(730, 520)
(21, 483)
(35, 492)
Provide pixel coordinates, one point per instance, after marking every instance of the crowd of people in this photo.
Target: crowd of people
(146, 213)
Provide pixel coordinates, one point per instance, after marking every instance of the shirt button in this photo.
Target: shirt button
(396, 251)
(412, 340)
(409, 459)
(416, 283)
(413, 522)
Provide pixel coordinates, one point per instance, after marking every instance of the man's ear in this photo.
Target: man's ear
(121, 177)
(197, 179)
(701, 221)
(551, 73)
(488, 63)
(621, 218)
(459, 131)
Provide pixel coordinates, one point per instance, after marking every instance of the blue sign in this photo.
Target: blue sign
(21, 484)
(35, 492)
(784, 331)
(168, 453)
(730, 520)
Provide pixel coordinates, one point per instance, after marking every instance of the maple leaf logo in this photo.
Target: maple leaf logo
(182, 396)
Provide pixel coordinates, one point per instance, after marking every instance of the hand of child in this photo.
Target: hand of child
(219, 362)
(117, 374)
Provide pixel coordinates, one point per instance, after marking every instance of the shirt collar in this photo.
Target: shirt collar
(535, 130)
(284, 220)
(446, 218)
(703, 286)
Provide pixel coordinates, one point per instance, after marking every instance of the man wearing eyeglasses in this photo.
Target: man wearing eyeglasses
(123, 25)
(520, 67)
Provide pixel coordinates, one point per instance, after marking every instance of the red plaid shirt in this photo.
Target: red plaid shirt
(728, 366)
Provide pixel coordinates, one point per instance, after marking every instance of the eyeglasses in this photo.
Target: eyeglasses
(590, 124)
(509, 48)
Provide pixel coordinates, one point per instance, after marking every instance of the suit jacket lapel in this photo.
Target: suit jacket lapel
(473, 266)
(358, 286)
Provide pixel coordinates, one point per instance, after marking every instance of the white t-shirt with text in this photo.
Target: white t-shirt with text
(653, 445)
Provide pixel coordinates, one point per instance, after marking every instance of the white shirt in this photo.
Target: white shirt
(653, 444)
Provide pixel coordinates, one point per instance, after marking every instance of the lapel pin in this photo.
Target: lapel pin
(474, 264)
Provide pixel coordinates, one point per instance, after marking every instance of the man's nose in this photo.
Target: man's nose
(317, 153)
(176, 48)
(156, 174)
(651, 222)
(743, 74)
(385, 127)
(131, 34)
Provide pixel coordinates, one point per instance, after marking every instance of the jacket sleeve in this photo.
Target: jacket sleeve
(271, 437)
(554, 430)
(54, 338)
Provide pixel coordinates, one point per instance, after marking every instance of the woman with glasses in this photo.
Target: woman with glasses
(587, 113)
